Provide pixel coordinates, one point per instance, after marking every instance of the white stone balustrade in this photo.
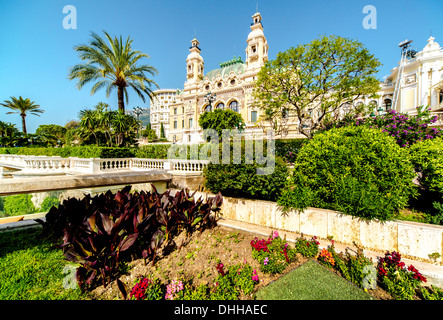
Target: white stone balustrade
(46, 164)
(148, 164)
(73, 165)
(189, 165)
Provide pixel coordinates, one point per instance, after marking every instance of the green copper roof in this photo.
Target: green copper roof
(226, 68)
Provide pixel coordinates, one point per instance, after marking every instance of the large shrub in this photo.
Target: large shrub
(355, 170)
(241, 180)
(427, 158)
(288, 148)
(18, 204)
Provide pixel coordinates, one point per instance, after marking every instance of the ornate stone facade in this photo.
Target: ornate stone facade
(231, 86)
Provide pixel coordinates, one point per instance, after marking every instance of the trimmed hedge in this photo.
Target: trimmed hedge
(286, 149)
(65, 152)
(240, 179)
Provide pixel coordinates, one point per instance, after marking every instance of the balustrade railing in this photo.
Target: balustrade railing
(189, 165)
(149, 164)
(73, 165)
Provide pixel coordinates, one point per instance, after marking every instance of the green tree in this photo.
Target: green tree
(220, 119)
(162, 131)
(51, 134)
(72, 129)
(149, 133)
(9, 134)
(22, 107)
(88, 125)
(314, 82)
(113, 65)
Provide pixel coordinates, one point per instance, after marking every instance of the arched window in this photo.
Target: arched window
(208, 108)
(221, 105)
(388, 104)
(234, 106)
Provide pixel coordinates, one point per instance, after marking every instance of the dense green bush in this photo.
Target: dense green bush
(427, 158)
(356, 170)
(241, 180)
(48, 203)
(18, 204)
(288, 148)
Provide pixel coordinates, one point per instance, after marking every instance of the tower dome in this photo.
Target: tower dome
(194, 63)
(257, 49)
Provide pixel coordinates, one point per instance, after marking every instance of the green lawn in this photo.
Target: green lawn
(311, 281)
(31, 268)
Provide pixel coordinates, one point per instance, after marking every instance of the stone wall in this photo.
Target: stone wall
(411, 239)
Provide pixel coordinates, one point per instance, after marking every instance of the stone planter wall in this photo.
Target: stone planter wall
(416, 240)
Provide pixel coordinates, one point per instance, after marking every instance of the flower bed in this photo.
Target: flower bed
(222, 265)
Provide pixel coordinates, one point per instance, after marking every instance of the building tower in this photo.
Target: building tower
(257, 49)
(194, 64)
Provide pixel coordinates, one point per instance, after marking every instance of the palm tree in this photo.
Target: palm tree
(9, 134)
(88, 124)
(113, 65)
(22, 106)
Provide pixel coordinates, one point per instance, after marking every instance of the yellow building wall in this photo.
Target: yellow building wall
(408, 99)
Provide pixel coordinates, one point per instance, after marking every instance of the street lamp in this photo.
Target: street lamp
(380, 111)
(210, 97)
(137, 111)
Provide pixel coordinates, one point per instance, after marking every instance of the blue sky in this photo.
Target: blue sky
(37, 52)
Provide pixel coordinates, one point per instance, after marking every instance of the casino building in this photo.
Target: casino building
(230, 86)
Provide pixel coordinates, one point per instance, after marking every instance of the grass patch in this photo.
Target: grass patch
(311, 281)
(31, 268)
